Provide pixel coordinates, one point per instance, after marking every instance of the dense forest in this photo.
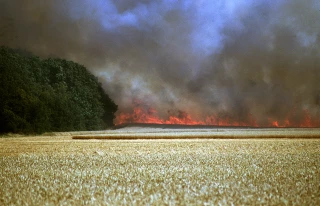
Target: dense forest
(49, 95)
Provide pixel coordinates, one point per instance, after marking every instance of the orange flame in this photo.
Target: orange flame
(144, 114)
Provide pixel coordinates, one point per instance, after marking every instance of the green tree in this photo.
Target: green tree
(50, 95)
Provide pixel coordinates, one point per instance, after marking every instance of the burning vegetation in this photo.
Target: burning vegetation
(239, 63)
(145, 114)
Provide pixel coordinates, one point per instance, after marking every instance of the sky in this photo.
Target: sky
(224, 57)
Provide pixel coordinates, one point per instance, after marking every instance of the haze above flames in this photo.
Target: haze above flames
(240, 60)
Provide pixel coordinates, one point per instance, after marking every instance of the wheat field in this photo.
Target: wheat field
(59, 170)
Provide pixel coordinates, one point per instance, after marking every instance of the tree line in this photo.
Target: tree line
(47, 95)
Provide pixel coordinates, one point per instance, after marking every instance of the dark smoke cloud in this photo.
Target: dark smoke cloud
(204, 57)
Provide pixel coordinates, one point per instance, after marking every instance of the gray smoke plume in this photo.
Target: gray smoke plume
(230, 58)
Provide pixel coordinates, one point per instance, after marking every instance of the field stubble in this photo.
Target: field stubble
(58, 170)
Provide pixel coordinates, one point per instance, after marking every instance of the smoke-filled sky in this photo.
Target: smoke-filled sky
(227, 57)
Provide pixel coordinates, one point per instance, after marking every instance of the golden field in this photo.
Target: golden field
(57, 170)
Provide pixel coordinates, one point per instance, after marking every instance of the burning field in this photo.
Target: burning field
(249, 69)
(227, 63)
(56, 169)
(145, 114)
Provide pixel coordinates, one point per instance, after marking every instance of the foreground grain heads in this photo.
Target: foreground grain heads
(61, 171)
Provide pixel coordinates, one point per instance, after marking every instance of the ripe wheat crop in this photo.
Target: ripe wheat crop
(61, 171)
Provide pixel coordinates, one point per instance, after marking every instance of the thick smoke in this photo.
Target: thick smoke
(230, 58)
